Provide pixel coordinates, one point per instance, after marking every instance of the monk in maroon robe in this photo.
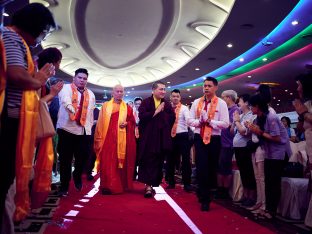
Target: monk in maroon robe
(115, 145)
(156, 120)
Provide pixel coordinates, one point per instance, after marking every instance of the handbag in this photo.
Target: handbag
(45, 126)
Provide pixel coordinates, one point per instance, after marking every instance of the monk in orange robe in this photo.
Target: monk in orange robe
(114, 144)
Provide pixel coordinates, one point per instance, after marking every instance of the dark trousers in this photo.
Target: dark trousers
(273, 176)
(8, 139)
(181, 146)
(70, 146)
(206, 160)
(91, 156)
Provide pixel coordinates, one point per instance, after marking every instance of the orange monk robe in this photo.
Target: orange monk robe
(113, 177)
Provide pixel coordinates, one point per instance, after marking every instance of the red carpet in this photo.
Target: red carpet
(132, 213)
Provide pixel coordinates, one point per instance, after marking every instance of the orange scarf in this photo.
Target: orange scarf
(85, 105)
(175, 125)
(25, 147)
(102, 127)
(2, 75)
(206, 130)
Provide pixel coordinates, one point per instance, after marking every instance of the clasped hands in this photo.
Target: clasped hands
(253, 128)
(160, 108)
(203, 119)
(123, 125)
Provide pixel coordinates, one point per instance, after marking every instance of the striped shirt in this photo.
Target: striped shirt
(15, 56)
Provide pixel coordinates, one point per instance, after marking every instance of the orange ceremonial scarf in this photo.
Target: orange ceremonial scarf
(25, 147)
(175, 125)
(85, 105)
(206, 130)
(102, 127)
(2, 75)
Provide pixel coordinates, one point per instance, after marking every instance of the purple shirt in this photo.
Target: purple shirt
(226, 136)
(274, 127)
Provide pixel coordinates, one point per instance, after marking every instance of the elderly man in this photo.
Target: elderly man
(209, 115)
(114, 144)
(156, 121)
(75, 120)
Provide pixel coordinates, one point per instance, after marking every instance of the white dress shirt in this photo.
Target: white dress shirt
(183, 117)
(63, 120)
(219, 122)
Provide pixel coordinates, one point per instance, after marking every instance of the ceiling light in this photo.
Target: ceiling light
(168, 82)
(169, 87)
(286, 90)
(278, 100)
(132, 88)
(229, 45)
(190, 96)
(128, 92)
(295, 22)
(187, 89)
(249, 76)
(264, 59)
(274, 98)
(241, 59)
(197, 69)
(127, 95)
(5, 14)
(277, 104)
(291, 94)
(194, 84)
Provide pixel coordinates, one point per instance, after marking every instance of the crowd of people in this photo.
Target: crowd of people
(128, 141)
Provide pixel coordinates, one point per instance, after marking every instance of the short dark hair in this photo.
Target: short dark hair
(49, 55)
(34, 18)
(257, 100)
(138, 99)
(156, 83)
(81, 70)
(306, 82)
(287, 120)
(214, 80)
(245, 97)
(265, 92)
(176, 91)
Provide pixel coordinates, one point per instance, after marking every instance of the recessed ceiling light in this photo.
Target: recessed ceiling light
(229, 45)
(169, 87)
(295, 22)
(168, 82)
(128, 92)
(190, 96)
(277, 104)
(5, 14)
(290, 93)
(286, 90)
(241, 59)
(264, 59)
(132, 88)
(274, 98)
(187, 89)
(194, 84)
(249, 76)
(127, 95)
(197, 69)
(278, 100)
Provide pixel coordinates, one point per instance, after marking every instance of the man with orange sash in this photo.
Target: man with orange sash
(209, 115)
(180, 143)
(75, 120)
(30, 25)
(114, 144)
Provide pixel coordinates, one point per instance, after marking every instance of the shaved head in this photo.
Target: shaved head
(118, 92)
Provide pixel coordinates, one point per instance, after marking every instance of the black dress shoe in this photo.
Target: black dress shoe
(62, 193)
(90, 177)
(188, 188)
(204, 207)
(78, 185)
(149, 192)
(106, 192)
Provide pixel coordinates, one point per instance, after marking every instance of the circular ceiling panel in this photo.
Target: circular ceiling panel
(135, 42)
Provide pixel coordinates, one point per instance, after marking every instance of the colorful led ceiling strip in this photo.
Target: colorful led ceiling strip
(280, 34)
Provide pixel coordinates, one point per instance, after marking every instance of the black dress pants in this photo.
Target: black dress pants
(181, 146)
(70, 146)
(206, 160)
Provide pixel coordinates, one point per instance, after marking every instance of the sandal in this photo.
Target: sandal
(149, 192)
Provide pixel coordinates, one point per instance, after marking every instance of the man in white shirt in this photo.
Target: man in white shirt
(75, 120)
(209, 115)
(180, 143)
